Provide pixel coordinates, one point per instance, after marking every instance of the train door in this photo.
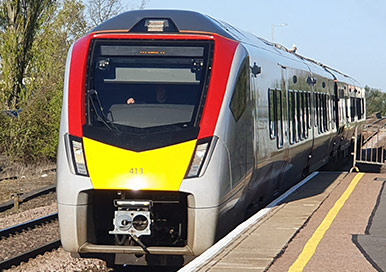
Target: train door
(279, 114)
(300, 140)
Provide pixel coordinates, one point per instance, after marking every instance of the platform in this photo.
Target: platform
(334, 221)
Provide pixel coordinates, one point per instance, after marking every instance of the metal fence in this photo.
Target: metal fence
(370, 146)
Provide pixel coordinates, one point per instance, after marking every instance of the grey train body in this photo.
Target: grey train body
(282, 117)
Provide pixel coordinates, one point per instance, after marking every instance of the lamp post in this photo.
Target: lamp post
(273, 30)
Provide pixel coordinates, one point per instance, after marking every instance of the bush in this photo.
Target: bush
(33, 135)
(375, 101)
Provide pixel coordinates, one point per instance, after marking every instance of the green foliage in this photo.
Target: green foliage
(375, 101)
(33, 136)
(21, 20)
(35, 36)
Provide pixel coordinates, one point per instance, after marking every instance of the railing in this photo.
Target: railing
(370, 146)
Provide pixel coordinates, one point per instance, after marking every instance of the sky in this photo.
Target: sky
(348, 35)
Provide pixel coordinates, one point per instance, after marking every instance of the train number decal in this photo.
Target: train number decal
(136, 171)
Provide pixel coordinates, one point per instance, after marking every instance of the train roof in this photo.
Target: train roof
(192, 21)
(184, 21)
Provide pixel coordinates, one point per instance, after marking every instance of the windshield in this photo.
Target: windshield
(137, 86)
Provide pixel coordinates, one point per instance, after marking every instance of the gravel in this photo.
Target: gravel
(25, 185)
(28, 240)
(27, 215)
(57, 260)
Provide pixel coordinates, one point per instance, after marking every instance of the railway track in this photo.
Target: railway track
(20, 198)
(27, 240)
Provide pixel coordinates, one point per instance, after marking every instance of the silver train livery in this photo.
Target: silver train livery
(175, 126)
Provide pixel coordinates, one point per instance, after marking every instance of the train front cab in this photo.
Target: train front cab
(145, 177)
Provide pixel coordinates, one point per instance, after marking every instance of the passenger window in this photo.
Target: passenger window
(360, 108)
(352, 109)
(346, 108)
(321, 113)
(239, 98)
(332, 101)
(325, 110)
(276, 116)
(316, 110)
(308, 108)
(291, 115)
(299, 116)
(272, 103)
(279, 118)
(363, 106)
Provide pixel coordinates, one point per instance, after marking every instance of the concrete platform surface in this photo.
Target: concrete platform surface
(276, 241)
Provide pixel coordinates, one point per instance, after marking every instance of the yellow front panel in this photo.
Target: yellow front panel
(158, 169)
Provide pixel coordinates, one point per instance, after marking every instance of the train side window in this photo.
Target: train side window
(353, 109)
(363, 106)
(276, 116)
(238, 102)
(325, 116)
(318, 111)
(299, 116)
(332, 101)
(346, 108)
(308, 108)
(328, 111)
(322, 116)
(279, 118)
(322, 112)
(304, 116)
(319, 102)
(271, 108)
(291, 117)
(315, 104)
(342, 107)
(360, 108)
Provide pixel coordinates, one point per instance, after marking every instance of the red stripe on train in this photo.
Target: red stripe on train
(224, 51)
(222, 61)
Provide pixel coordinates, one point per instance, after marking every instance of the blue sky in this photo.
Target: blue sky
(349, 35)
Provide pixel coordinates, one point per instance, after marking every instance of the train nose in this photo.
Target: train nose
(161, 169)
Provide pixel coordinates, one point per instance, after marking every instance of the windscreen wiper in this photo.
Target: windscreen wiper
(93, 98)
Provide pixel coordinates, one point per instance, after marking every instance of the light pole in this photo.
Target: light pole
(273, 30)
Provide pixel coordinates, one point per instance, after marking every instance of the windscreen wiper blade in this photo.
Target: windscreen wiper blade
(98, 109)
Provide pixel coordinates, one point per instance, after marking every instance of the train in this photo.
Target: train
(176, 126)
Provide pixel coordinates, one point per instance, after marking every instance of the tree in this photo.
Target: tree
(35, 36)
(33, 135)
(375, 101)
(20, 21)
(102, 10)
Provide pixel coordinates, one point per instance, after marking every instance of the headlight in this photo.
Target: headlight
(78, 157)
(199, 157)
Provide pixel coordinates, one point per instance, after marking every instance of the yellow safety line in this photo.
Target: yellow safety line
(310, 248)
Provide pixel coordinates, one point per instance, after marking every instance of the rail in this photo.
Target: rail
(24, 256)
(20, 198)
